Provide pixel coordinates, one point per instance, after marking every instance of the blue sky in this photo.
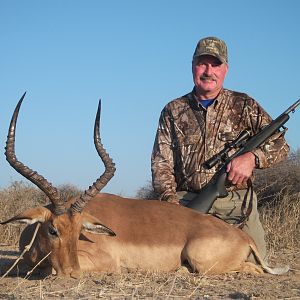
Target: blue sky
(136, 56)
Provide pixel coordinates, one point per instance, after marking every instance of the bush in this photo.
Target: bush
(20, 196)
(282, 179)
(68, 191)
(147, 192)
(281, 220)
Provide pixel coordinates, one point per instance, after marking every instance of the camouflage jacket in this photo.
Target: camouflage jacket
(189, 134)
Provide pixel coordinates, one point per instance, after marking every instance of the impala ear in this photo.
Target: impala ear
(93, 225)
(31, 216)
(97, 228)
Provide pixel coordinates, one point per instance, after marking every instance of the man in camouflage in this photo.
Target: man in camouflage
(197, 125)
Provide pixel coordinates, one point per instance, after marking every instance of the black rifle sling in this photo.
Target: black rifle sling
(246, 211)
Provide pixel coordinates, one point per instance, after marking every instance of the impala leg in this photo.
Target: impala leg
(249, 267)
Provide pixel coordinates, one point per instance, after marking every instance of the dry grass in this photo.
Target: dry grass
(137, 285)
(18, 197)
(13, 200)
(281, 219)
(281, 180)
(278, 191)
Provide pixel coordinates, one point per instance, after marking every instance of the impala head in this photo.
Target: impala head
(60, 226)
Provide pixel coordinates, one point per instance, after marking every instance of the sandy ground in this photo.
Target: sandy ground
(176, 285)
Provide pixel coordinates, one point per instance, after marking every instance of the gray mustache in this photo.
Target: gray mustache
(203, 77)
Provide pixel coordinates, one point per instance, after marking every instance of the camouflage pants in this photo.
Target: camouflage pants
(229, 209)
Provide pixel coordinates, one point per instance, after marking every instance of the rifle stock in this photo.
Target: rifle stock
(216, 188)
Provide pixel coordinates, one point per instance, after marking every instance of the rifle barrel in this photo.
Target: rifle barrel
(292, 107)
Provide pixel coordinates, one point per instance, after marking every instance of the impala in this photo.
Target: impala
(107, 233)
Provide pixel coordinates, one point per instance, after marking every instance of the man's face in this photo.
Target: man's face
(208, 74)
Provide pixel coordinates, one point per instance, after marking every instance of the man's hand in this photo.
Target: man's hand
(241, 168)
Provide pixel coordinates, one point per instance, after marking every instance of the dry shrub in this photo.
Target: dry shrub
(281, 219)
(68, 191)
(20, 196)
(278, 190)
(281, 179)
(147, 192)
(13, 200)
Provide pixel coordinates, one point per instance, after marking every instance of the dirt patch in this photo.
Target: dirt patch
(136, 285)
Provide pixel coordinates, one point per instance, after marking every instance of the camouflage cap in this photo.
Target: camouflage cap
(212, 46)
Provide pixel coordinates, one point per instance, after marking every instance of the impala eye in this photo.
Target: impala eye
(52, 231)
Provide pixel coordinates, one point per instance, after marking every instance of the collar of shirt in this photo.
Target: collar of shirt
(196, 102)
(206, 103)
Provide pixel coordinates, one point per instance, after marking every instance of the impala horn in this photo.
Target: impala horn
(52, 193)
(101, 182)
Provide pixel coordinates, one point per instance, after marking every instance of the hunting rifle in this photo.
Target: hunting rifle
(216, 188)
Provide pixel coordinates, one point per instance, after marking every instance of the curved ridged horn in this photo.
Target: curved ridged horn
(101, 182)
(31, 175)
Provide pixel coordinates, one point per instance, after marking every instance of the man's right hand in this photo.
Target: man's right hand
(241, 168)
